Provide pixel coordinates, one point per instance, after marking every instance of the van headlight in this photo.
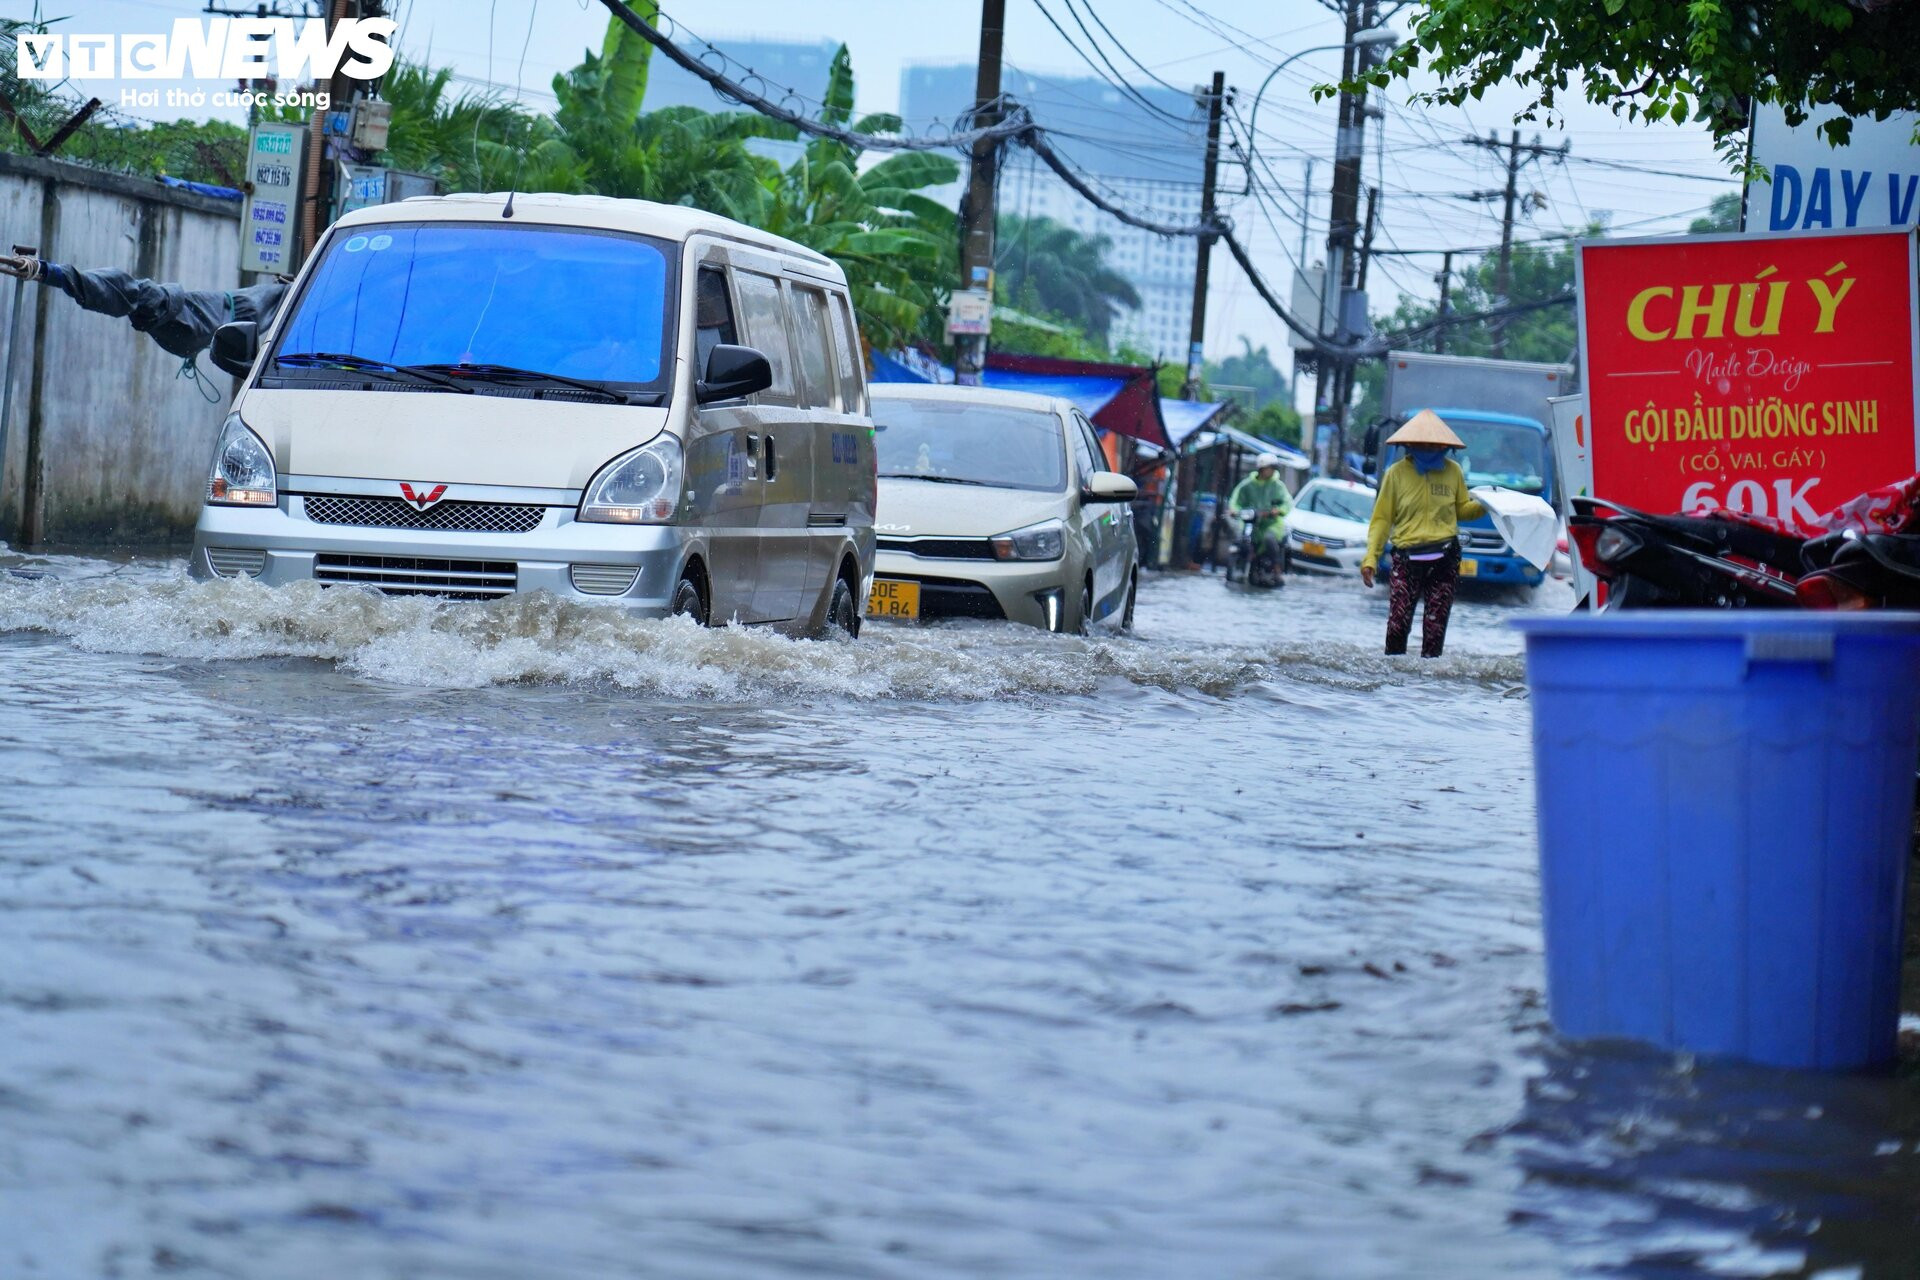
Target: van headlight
(242, 474)
(1044, 541)
(641, 487)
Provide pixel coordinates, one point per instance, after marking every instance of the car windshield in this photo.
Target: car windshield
(1343, 503)
(970, 444)
(587, 305)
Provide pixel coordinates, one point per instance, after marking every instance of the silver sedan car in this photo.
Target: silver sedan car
(998, 504)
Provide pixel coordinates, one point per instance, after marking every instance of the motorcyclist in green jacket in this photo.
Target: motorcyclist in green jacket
(1263, 498)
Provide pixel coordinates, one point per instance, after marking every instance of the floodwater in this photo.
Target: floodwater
(356, 937)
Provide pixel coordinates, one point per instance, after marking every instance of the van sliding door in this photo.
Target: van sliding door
(723, 465)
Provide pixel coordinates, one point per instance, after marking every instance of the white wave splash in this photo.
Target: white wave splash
(538, 638)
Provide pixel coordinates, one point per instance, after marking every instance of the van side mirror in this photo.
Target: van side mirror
(1371, 445)
(235, 345)
(1108, 486)
(732, 372)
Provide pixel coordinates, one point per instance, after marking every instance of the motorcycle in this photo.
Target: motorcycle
(1246, 565)
(1852, 570)
(1684, 562)
(1865, 554)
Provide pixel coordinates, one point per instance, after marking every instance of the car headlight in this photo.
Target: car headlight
(1044, 541)
(242, 474)
(641, 487)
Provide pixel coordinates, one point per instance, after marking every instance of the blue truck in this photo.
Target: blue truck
(1499, 407)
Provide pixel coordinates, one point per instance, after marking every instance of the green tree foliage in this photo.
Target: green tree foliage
(1674, 60)
(1268, 410)
(1043, 267)
(469, 142)
(892, 240)
(1722, 215)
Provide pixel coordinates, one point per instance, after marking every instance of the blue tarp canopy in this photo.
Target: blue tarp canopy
(1089, 393)
(1288, 455)
(1184, 417)
(202, 188)
(1116, 398)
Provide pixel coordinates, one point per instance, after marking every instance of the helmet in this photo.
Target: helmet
(1266, 460)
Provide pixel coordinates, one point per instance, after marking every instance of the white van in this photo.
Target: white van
(609, 400)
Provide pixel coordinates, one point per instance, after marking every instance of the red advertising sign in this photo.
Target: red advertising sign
(1769, 374)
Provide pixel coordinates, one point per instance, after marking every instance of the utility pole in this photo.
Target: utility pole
(1446, 282)
(1503, 273)
(1306, 202)
(976, 236)
(1197, 326)
(1332, 378)
(1503, 281)
(1366, 239)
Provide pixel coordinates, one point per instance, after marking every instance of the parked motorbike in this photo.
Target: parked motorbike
(1685, 562)
(1253, 568)
(1853, 570)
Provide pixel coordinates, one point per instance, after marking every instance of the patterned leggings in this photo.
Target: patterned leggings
(1428, 580)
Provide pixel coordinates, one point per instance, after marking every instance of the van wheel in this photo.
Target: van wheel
(1133, 591)
(843, 616)
(689, 603)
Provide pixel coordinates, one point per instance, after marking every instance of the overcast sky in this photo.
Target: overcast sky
(518, 46)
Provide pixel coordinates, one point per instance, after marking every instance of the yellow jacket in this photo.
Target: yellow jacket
(1416, 509)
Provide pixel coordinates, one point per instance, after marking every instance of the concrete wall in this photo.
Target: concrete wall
(106, 444)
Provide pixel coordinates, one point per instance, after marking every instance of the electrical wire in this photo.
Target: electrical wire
(1124, 51)
(1111, 74)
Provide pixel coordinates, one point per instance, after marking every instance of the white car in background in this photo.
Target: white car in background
(1327, 528)
(998, 504)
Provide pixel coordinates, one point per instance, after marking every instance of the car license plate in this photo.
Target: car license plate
(1313, 548)
(893, 599)
(1469, 568)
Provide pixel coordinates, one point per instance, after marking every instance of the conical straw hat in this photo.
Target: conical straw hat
(1425, 427)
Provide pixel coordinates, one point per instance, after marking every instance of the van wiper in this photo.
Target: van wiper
(507, 375)
(367, 364)
(915, 475)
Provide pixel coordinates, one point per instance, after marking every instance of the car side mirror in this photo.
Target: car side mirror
(1108, 486)
(732, 372)
(235, 345)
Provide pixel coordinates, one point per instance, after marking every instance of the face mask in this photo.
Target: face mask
(1427, 463)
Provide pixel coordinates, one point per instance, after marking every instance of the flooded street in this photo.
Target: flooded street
(359, 937)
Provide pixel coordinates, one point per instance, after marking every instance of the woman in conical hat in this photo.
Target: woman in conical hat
(1422, 500)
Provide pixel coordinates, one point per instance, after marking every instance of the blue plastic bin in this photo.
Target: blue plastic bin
(1725, 804)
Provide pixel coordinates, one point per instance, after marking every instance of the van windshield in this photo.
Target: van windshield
(575, 304)
(956, 443)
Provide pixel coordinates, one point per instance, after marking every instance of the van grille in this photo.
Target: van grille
(603, 579)
(396, 513)
(416, 576)
(1483, 542)
(940, 548)
(236, 562)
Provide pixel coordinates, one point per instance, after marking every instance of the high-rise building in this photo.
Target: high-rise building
(780, 65)
(1145, 158)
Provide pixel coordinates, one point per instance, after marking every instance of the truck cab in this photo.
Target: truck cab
(1503, 449)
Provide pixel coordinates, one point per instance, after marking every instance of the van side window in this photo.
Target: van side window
(766, 327)
(846, 345)
(713, 317)
(810, 330)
